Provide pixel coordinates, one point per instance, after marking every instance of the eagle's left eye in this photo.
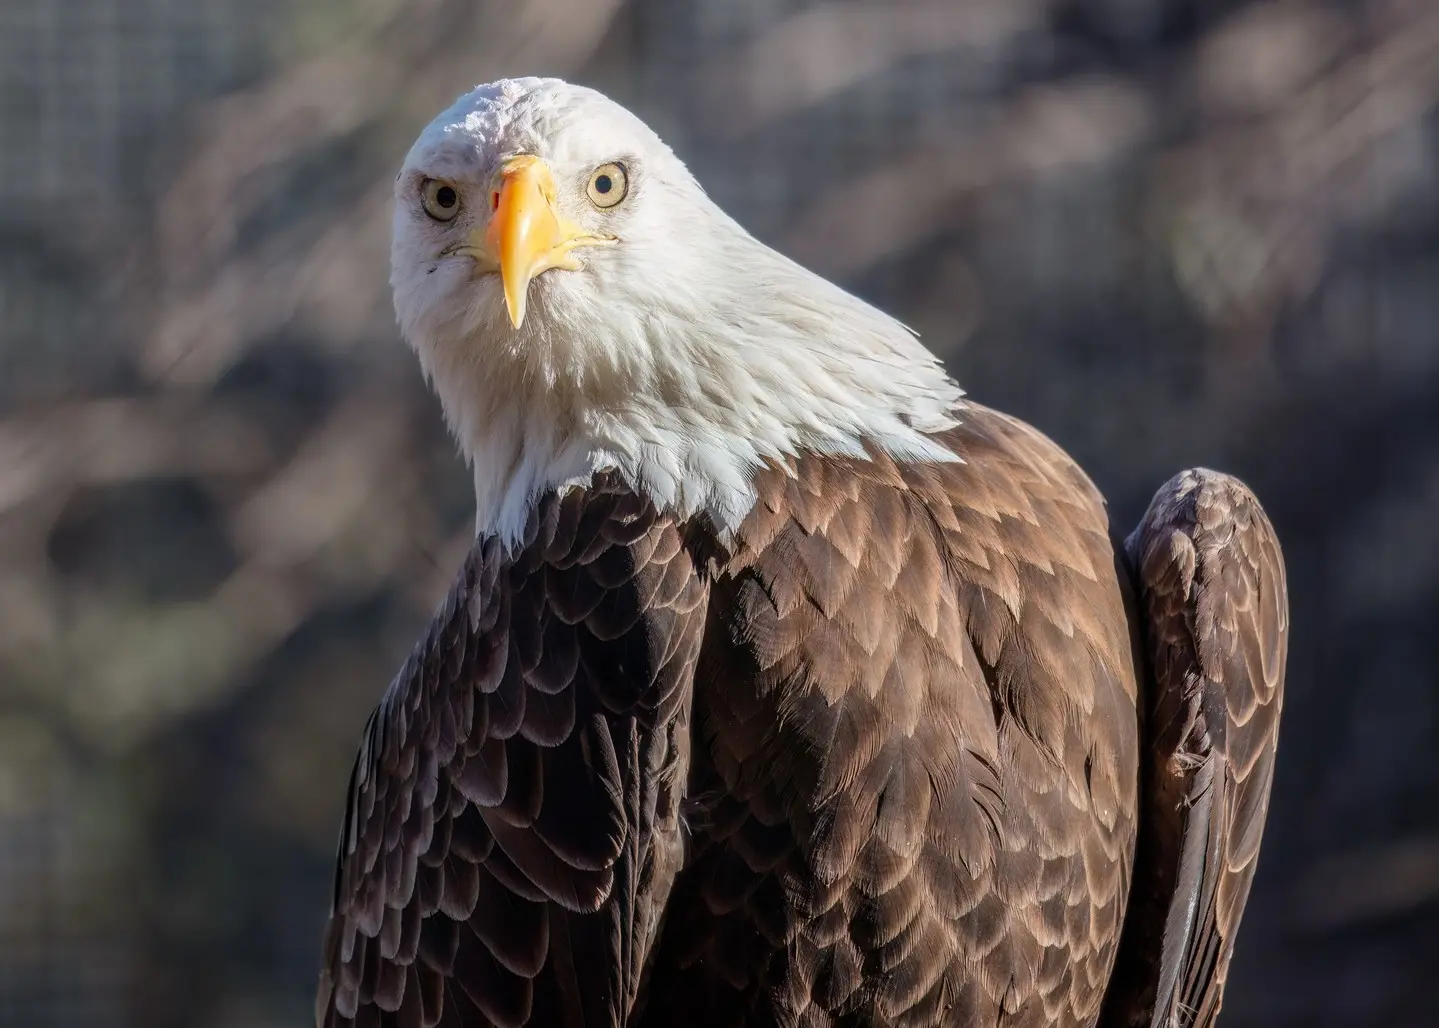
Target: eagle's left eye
(608, 185)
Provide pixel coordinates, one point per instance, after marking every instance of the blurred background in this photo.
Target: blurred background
(1168, 232)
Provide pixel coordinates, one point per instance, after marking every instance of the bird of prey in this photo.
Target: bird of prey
(783, 685)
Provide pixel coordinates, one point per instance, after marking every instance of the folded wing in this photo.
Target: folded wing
(512, 828)
(1215, 616)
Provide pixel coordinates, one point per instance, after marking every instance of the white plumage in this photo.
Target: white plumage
(685, 355)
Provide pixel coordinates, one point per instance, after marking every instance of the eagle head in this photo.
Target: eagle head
(579, 304)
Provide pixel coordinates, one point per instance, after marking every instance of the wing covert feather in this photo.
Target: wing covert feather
(916, 750)
(1215, 614)
(512, 827)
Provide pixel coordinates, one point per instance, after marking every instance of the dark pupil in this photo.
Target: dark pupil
(445, 196)
(603, 184)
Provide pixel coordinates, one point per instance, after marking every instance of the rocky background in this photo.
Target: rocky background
(1168, 232)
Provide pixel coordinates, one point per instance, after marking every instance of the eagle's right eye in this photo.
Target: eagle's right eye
(440, 199)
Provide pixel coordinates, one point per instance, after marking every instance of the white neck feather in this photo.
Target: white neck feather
(685, 392)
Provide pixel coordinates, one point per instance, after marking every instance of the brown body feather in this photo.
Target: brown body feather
(874, 762)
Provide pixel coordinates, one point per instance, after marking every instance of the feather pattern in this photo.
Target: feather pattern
(1216, 616)
(513, 828)
(899, 716)
(916, 749)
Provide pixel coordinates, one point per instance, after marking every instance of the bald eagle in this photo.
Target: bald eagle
(783, 685)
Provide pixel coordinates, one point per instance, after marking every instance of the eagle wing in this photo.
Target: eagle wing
(1215, 616)
(512, 827)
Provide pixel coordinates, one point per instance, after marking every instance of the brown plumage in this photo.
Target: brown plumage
(1216, 619)
(879, 760)
(513, 822)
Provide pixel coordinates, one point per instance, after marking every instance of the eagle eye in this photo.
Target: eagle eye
(608, 185)
(440, 199)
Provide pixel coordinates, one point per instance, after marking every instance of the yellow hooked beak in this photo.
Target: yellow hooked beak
(526, 235)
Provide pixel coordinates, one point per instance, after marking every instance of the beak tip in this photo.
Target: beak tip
(516, 310)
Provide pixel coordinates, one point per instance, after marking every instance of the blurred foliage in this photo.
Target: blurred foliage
(1168, 232)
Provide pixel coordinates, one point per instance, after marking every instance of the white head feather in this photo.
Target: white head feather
(685, 356)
